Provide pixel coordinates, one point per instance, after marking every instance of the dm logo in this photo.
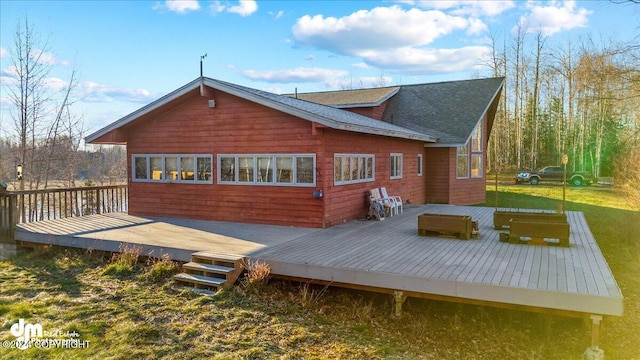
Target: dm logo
(24, 332)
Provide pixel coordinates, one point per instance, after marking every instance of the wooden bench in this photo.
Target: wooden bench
(503, 219)
(538, 230)
(460, 226)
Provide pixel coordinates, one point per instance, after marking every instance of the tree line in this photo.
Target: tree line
(581, 99)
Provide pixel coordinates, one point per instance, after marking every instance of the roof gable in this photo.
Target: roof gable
(322, 114)
(448, 110)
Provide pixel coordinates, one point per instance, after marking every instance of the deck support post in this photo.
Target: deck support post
(399, 299)
(595, 329)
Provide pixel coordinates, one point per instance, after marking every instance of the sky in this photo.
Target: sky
(129, 53)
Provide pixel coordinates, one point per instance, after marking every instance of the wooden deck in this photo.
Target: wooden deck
(382, 256)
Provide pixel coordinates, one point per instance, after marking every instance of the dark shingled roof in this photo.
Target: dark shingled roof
(447, 110)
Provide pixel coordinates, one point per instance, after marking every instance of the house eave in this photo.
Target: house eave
(329, 122)
(143, 110)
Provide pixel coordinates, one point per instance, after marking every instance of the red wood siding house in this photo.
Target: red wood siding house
(213, 150)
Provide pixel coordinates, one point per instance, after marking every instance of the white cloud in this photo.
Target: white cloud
(468, 7)
(476, 26)
(94, 92)
(394, 39)
(43, 58)
(10, 72)
(55, 84)
(3, 52)
(179, 6)
(554, 18)
(361, 65)
(380, 28)
(301, 74)
(428, 61)
(243, 8)
(277, 15)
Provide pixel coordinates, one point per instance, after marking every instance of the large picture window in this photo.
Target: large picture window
(172, 168)
(267, 169)
(353, 168)
(396, 166)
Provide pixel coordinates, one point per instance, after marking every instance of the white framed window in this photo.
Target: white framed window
(353, 168)
(476, 166)
(396, 165)
(267, 169)
(462, 162)
(476, 138)
(181, 168)
(420, 164)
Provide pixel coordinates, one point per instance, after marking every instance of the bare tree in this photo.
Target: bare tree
(30, 71)
(41, 115)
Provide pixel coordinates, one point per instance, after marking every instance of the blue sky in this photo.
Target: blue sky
(128, 53)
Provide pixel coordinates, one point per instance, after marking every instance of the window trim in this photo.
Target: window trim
(467, 161)
(274, 179)
(474, 150)
(420, 165)
(476, 139)
(480, 170)
(163, 157)
(366, 157)
(391, 162)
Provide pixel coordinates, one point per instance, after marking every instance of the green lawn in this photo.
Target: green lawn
(129, 310)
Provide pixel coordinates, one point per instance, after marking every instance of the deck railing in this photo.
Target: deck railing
(18, 207)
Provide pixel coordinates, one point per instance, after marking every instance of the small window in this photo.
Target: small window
(420, 164)
(227, 169)
(204, 168)
(245, 169)
(476, 165)
(396, 166)
(304, 170)
(337, 169)
(476, 138)
(284, 169)
(156, 168)
(462, 162)
(352, 168)
(187, 169)
(171, 168)
(140, 168)
(265, 169)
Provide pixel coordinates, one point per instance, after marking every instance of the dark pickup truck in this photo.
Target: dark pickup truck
(554, 173)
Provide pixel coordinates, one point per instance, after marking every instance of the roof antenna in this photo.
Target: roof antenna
(296, 92)
(201, 76)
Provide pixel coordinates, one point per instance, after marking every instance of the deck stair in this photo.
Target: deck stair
(210, 270)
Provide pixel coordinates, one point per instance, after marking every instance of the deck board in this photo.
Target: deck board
(378, 254)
